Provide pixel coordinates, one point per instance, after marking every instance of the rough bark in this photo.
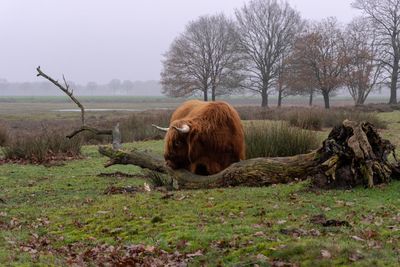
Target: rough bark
(264, 100)
(353, 154)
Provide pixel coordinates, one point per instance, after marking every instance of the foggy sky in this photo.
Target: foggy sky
(98, 40)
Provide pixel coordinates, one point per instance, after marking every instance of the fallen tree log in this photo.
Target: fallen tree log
(353, 154)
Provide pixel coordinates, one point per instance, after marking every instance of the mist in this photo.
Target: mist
(98, 40)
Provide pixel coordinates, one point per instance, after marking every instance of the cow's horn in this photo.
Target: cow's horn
(184, 129)
(160, 128)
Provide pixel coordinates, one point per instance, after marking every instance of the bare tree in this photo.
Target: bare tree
(204, 58)
(267, 30)
(321, 53)
(385, 15)
(363, 68)
(299, 77)
(114, 85)
(92, 88)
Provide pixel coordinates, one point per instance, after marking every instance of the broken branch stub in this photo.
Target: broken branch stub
(353, 154)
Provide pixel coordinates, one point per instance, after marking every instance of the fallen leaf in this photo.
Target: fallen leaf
(259, 234)
(355, 256)
(357, 238)
(326, 254)
(103, 212)
(262, 257)
(147, 187)
(196, 254)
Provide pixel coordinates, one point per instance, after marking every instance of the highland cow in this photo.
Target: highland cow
(204, 137)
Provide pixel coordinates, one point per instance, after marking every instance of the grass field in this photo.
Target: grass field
(70, 214)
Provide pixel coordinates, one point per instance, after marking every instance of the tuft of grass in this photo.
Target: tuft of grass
(40, 148)
(277, 139)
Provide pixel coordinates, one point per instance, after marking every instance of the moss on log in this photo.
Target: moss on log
(353, 154)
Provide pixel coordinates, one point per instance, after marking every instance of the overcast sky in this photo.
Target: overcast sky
(98, 40)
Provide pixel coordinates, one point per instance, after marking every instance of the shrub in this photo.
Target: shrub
(306, 119)
(332, 119)
(310, 118)
(277, 139)
(139, 127)
(3, 135)
(42, 147)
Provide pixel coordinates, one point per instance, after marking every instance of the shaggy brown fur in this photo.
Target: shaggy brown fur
(215, 139)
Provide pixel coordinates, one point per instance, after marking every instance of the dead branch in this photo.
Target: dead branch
(115, 133)
(66, 90)
(89, 129)
(353, 154)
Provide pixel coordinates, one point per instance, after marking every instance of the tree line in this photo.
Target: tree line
(269, 48)
(113, 87)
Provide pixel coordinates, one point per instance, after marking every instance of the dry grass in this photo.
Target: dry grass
(42, 147)
(3, 135)
(277, 139)
(310, 118)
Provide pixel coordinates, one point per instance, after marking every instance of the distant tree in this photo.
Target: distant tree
(3, 86)
(203, 59)
(92, 87)
(299, 77)
(127, 86)
(114, 85)
(267, 31)
(363, 68)
(385, 16)
(321, 53)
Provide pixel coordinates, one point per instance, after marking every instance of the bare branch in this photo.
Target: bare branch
(65, 90)
(89, 129)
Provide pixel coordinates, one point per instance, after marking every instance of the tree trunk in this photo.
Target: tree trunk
(213, 94)
(264, 100)
(326, 99)
(310, 101)
(393, 81)
(353, 154)
(279, 98)
(205, 95)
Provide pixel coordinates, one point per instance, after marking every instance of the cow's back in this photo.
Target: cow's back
(187, 109)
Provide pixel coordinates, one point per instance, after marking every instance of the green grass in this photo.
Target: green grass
(231, 226)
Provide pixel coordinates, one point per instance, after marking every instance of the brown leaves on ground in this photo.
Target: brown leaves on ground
(133, 255)
(119, 174)
(79, 254)
(113, 190)
(297, 232)
(322, 220)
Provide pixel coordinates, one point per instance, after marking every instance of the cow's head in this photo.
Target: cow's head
(176, 147)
